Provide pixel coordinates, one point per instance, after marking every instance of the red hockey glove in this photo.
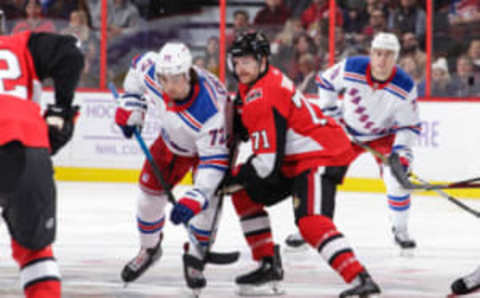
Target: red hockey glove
(130, 113)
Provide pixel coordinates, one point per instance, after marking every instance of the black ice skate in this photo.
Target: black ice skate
(366, 289)
(144, 260)
(295, 241)
(265, 280)
(467, 284)
(193, 272)
(402, 239)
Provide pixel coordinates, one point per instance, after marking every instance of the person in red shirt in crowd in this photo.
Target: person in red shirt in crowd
(318, 10)
(34, 20)
(297, 152)
(272, 18)
(27, 187)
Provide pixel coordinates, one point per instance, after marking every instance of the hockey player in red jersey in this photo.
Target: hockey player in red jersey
(27, 187)
(297, 152)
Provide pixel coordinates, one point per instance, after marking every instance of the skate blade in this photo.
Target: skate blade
(267, 289)
(406, 252)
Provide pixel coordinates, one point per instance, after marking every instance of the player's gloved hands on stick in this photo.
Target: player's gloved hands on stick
(399, 162)
(61, 123)
(188, 206)
(130, 113)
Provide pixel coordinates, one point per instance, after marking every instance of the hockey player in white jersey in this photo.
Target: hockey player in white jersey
(191, 105)
(376, 102)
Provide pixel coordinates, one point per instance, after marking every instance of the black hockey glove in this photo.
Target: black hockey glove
(61, 122)
(400, 168)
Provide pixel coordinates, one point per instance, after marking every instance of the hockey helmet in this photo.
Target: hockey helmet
(386, 41)
(250, 43)
(174, 58)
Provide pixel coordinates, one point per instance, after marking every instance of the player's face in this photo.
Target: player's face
(176, 87)
(247, 69)
(382, 63)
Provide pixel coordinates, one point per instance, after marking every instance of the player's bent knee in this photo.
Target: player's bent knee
(314, 227)
(243, 203)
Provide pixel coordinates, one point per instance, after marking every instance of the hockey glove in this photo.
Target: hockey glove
(130, 113)
(61, 122)
(400, 167)
(188, 206)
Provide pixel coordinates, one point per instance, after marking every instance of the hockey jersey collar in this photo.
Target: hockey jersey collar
(377, 85)
(182, 105)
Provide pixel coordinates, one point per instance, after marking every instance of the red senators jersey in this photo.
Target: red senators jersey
(25, 60)
(287, 131)
(20, 115)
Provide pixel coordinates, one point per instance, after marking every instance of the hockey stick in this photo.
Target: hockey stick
(423, 185)
(426, 185)
(210, 256)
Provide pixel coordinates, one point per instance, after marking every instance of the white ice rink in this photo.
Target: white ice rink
(97, 235)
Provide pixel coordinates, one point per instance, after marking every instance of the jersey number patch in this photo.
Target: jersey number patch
(260, 138)
(10, 70)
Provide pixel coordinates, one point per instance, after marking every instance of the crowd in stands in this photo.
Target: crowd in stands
(298, 30)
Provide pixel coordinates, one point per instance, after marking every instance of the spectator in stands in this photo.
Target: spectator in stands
(474, 53)
(409, 17)
(212, 55)
(355, 19)
(90, 77)
(318, 10)
(410, 47)
(465, 82)
(241, 23)
(281, 46)
(123, 17)
(297, 7)
(200, 62)
(34, 20)
(271, 18)
(441, 81)
(306, 80)
(13, 9)
(63, 8)
(78, 27)
(302, 44)
(464, 12)
(410, 66)
(345, 47)
(376, 23)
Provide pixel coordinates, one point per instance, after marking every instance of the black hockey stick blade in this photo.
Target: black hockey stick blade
(222, 258)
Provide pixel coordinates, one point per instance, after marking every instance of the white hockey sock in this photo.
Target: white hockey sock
(399, 207)
(150, 218)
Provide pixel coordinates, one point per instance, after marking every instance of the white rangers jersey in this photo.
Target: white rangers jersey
(193, 128)
(369, 110)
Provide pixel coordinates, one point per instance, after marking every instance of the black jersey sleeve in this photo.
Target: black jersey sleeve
(58, 57)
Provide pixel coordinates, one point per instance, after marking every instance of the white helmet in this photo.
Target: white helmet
(386, 41)
(173, 58)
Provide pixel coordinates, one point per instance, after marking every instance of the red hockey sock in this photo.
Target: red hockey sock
(39, 274)
(255, 225)
(321, 233)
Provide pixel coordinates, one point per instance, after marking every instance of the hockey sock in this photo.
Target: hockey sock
(399, 209)
(150, 218)
(320, 232)
(255, 224)
(39, 273)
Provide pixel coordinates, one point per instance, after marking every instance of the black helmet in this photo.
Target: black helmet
(250, 43)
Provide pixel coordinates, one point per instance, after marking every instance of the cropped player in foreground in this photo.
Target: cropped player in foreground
(376, 103)
(467, 284)
(190, 104)
(297, 152)
(27, 139)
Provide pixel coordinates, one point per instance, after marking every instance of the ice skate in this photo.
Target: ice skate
(193, 272)
(265, 280)
(467, 284)
(403, 241)
(366, 288)
(144, 260)
(295, 243)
